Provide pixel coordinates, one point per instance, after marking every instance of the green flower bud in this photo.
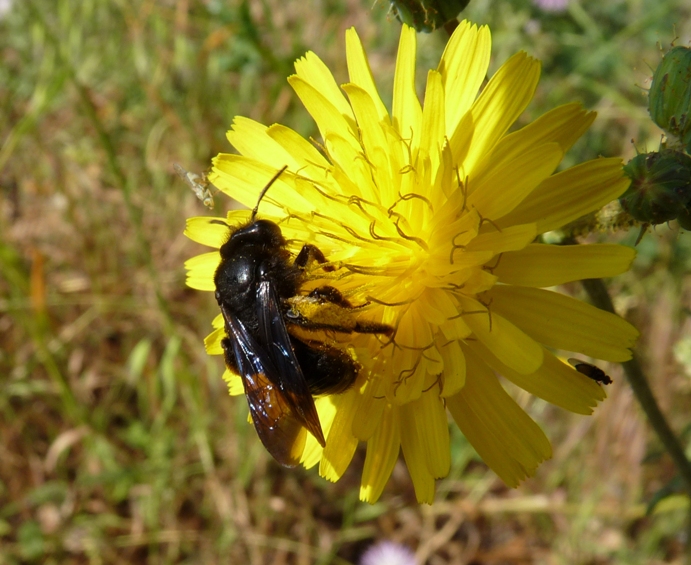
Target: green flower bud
(669, 100)
(684, 219)
(660, 186)
(427, 15)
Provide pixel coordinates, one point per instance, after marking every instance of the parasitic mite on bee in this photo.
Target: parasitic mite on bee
(258, 284)
(591, 371)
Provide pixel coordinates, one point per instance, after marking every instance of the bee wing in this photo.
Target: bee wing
(278, 426)
(292, 382)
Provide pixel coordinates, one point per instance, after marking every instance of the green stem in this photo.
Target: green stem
(597, 291)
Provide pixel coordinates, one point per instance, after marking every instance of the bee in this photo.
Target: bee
(198, 183)
(591, 371)
(258, 289)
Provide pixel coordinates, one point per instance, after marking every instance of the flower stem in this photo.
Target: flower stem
(597, 291)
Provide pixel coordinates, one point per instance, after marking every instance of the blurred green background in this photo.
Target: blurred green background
(118, 442)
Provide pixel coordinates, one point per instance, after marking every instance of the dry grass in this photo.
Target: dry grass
(118, 443)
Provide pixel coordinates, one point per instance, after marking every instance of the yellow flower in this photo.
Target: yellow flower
(430, 214)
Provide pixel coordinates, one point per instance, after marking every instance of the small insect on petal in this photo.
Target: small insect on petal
(199, 184)
(591, 371)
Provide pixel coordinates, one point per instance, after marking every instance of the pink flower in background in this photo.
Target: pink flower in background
(552, 5)
(388, 553)
(5, 7)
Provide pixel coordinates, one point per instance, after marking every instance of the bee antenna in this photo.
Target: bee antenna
(263, 192)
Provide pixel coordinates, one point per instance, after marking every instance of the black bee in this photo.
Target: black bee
(258, 290)
(591, 371)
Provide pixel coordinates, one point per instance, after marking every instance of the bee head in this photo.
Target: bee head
(262, 233)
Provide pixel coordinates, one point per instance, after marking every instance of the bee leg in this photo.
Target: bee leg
(332, 295)
(310, 253)
(330, 370)
(341, 319)
(334, 312)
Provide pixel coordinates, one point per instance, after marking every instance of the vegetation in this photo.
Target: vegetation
(118, 441)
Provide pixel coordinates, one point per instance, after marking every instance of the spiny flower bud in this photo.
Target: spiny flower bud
(427, 15)
(684, 219)
(660, 186)
(669, 100)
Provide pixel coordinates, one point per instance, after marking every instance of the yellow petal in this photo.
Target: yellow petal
(565, 323)
(304, 154)
(554, 381)
(503, 188)
(207, 231)
(409, 382)
(406, 109)
(437, 306)
(499, 430)
(563, 125)
(479, 281)
(243, 179)
(234, 381)
(340, 442)
(201, 269)
(433, 137)
(312, 70)
(504, 98)
(414, 452)
(464, 66)
(505, 340)
(570, 194)
(360, 72)
(352, 159)
(327, 407)
(550, 265)
(370, 408)
(433, 427)
(212, 342)
(251, 140)
(373, 142)
(327, 116)
(382, 453)
(454, 368)
(218, 321)
(455, 329)
(509, 239)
